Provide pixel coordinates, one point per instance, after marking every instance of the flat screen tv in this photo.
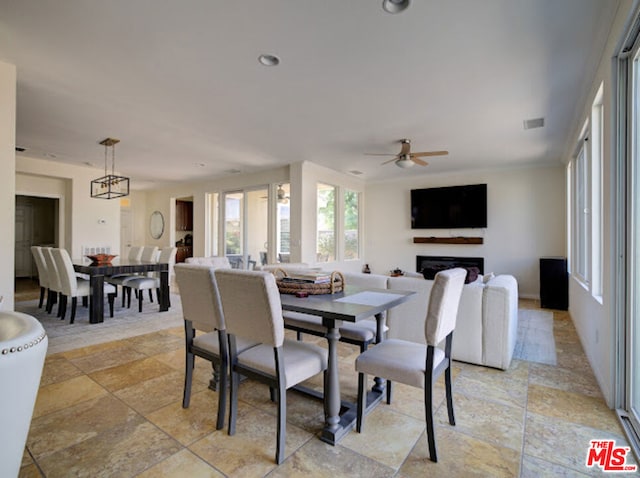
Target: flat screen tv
(449, 207)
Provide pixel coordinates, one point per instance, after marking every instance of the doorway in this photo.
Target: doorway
(36, 224)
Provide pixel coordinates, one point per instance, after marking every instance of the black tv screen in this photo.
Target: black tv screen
(449, 207)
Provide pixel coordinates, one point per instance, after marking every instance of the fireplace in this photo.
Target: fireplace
(438, 263)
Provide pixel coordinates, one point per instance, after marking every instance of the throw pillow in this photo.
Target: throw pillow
(488, 277)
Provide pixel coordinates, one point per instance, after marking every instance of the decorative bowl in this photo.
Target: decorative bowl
(101, 259)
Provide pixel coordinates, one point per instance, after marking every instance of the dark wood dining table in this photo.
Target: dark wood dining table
(351, 305)
(98, 272)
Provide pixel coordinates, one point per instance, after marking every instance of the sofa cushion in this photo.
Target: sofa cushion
(429, 273)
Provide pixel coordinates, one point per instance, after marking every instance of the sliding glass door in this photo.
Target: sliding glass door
(245, 227)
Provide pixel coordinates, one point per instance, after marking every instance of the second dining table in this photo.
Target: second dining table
(351, 305)
(98, 272)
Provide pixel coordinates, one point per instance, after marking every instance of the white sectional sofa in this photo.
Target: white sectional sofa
(486, 328)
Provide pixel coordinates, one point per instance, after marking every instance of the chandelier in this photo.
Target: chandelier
(110, 186)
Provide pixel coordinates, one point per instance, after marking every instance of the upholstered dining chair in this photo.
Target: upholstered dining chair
(141, 283)
(43, 276)
(414, 363)
(72, 286)
(252, 310)
(55, 288)
(135, 254)
(205, 331)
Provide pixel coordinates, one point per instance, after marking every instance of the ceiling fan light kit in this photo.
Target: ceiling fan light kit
(395, 6)
(404, 162)
(406, 159)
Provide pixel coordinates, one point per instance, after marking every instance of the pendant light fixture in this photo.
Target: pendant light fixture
(110, 186)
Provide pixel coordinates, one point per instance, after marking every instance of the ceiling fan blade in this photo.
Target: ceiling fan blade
(418, 161)
(431, 153)
(395, 158)
(406, 147)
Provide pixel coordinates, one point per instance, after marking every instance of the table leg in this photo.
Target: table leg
(379, 383)
(164, 291)
(332, 386)
(96, 304)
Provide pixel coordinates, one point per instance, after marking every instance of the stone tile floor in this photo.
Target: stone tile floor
(114, 409)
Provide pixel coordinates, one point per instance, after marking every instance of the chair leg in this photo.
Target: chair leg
(41, 298)
(62, 306)
(150, 296)
(233, 402)
(299, 336)
(112, 299)
(428, 410)
(362, 400)
(85, 301)
(74, 304)
(447, 384)
(49, 305)
(124, 295)
(282, 421)
(389, 392)
(128, 297)
(272, 395)
(222, 393)
(188, 376)
(140, 295)
(60, 303)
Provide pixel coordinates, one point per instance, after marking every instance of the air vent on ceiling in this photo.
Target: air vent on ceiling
(533, 123)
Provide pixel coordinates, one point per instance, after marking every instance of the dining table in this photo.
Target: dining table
(98, 272)
(350, 305)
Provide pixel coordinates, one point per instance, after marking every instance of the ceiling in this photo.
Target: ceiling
(179, 82)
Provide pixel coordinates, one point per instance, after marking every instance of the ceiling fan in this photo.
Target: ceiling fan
(406, 159)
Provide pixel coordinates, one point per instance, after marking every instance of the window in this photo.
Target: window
(586, 231)
(326, 223)
(582, 216)
(597, 132)
(351, 225)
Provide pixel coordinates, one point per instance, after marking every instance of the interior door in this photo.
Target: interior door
(126, 232)
(23, 239)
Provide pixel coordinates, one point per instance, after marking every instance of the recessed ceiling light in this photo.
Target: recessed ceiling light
(232, 171)
(202, 165)
(88, 163)
(269, 60)
(356, 172)
(395, 6)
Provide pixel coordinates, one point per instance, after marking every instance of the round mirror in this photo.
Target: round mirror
(156, 226)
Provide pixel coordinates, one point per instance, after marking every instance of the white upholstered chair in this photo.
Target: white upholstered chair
(217, 262)
(252, 311)
(74, 287)
(23, 347)
(135, 254)
(205, 331)
(55, 289)
(43, 276)
(414, 363)
(151, 282)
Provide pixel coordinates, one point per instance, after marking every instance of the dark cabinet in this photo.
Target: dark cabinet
(184, 216)
(554, 283)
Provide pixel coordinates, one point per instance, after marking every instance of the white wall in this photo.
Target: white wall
(525, 218)
(7, 183)
(82, 215)
(595, 319)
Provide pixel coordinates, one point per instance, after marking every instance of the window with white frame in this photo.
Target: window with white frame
(582, 219)
(326, 223)
(587, 215)
(351, 225)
